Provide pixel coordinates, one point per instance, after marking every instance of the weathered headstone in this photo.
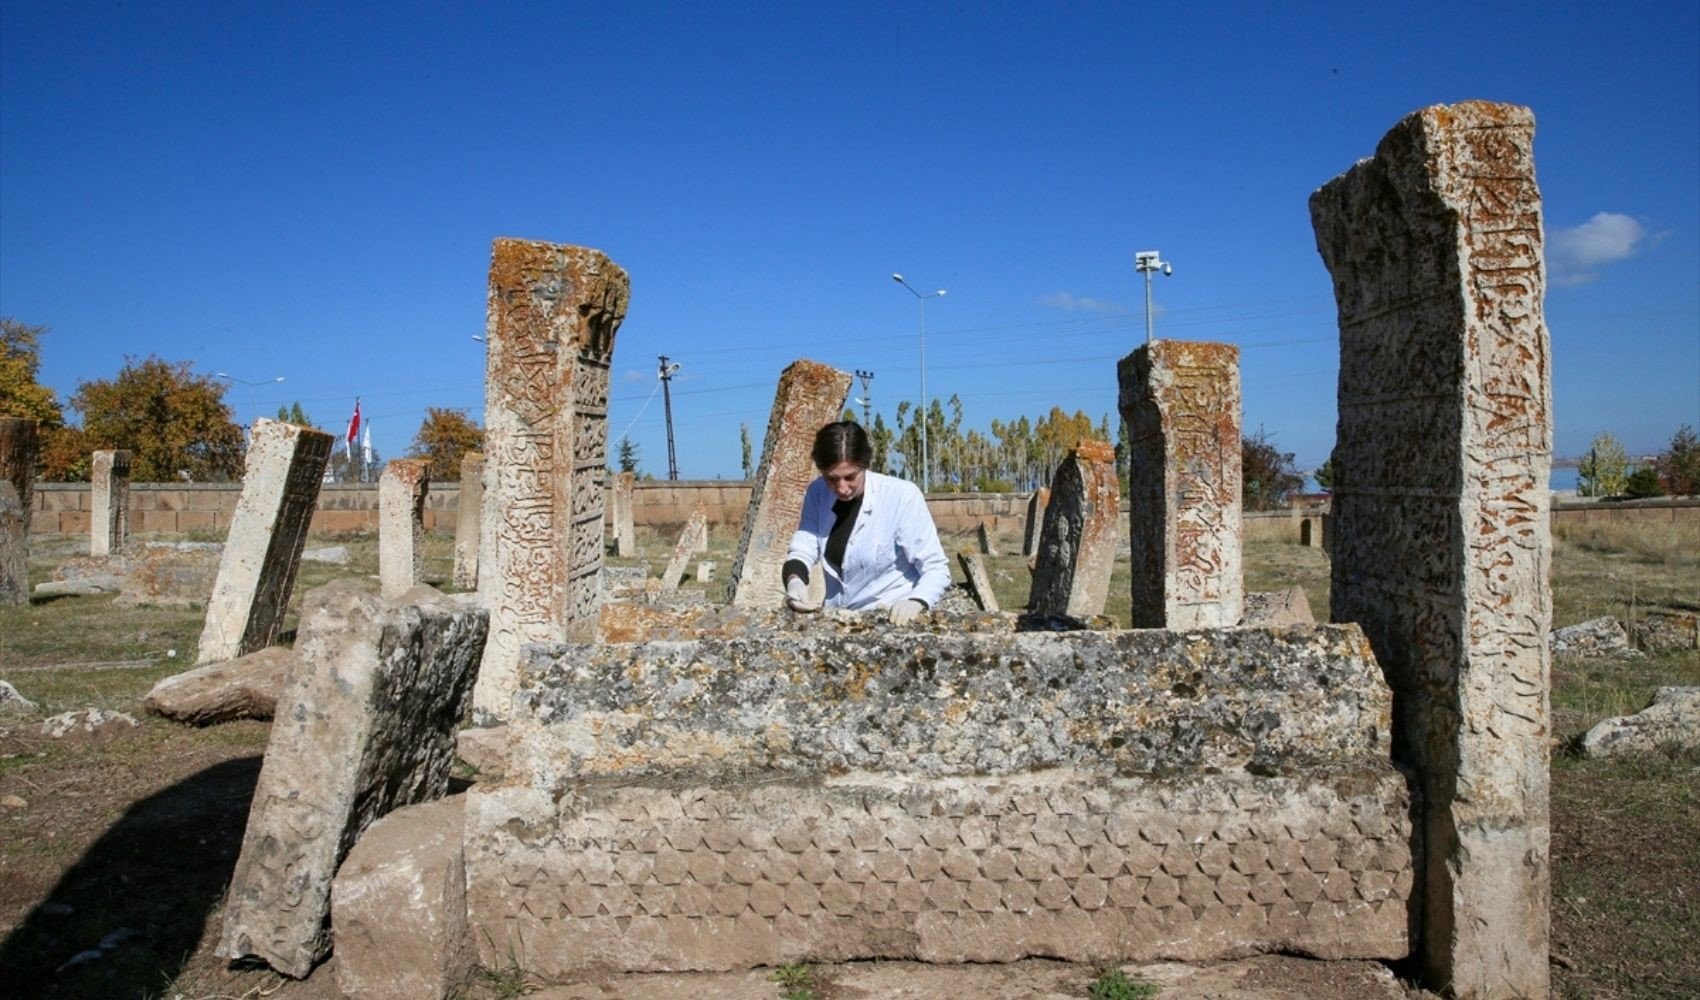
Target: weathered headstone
(987, 539)
(280, 488)
(1181, 403)
(109, 503)
(705, 571)
(375, 701)
(14, 548)
(468, 519)
(18, 457)
(1442, 540)
(625, 533)
(401, 525)
(695, 530)
(17, 468)
(553, 314)
(974, 568)
(811, 395)
(1034, 523)
(244, 688)
(1077, 548)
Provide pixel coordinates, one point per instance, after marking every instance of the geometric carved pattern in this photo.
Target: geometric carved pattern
(967, 870)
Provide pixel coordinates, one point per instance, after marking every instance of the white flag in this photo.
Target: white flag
(366, 445)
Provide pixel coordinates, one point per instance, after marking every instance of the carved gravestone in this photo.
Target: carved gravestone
(695, 530)
(14, 549)
(109, 503)
(811, 395)
(625, 532)
(401, 525)
(17, 459)
(375, 699)
(1441, 529)
(17, 468)
(468, 519)
(1077, 548)
(280, 488)
(553, 314)
(1034, 523)
(1181, 403)
(987, 539)
(979, 584)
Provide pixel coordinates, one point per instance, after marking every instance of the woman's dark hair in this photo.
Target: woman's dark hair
(844, 441)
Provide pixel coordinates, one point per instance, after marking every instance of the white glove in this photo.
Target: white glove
(906, 611)
(797, 595)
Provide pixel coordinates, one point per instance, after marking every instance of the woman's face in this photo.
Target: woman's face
(846, 479)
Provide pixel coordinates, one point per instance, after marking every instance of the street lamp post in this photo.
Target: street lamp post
(243, 381)
(921, 300)
(1146, 262)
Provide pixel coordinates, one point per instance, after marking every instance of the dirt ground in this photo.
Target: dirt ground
(115, 852)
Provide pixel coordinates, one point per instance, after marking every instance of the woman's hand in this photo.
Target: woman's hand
(906, 611)
(797, 596)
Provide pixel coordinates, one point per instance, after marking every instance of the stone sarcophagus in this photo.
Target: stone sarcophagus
(832, 792)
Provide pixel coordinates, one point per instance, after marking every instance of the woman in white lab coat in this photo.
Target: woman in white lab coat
(871, 534)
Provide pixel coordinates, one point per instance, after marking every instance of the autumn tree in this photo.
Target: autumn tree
(20, 361)
(1604, 471)
(1269, 476)
(444, 437)
(173, 422)
(1679, 465)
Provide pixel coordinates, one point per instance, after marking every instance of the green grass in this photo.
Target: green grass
(796, 981)
(1114, 984)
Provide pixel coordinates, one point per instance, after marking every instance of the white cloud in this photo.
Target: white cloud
(1068, 302)
(1578, 250)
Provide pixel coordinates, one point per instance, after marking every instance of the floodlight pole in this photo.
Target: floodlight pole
(867, 399)
(922, 301)
(1146, 262)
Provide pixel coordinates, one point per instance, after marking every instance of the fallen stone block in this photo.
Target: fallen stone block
(336, 555)
(169, 576)
(1277, 608)
(88, 586)
(244, 688)
(1672, 721)
(399, 907)
(91, 567)
(370, 727)
(1604, 636)
(12, 702)
(1663, 630)
(90, 724)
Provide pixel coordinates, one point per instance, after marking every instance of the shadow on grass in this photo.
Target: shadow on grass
(125, 919)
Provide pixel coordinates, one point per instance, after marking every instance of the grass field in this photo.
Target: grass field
(138, 834)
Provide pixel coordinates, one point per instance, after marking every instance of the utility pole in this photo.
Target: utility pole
(667, 371)
(867, 399)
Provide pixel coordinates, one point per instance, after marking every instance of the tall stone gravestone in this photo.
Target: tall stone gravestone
(979, 582)
(17, 467)
(109, 495)
(468, 516)
(1181, 402)
(553, 314)
(1034, 523)
(401, 525)
(256, 572)
(1077, 548)
(14, 548)
(695, 530)
(625, 532)
(1441, 537)
(811, 395)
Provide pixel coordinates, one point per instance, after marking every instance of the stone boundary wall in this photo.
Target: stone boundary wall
(177, 508)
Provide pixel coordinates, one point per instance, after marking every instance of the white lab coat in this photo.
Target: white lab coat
(893, 552)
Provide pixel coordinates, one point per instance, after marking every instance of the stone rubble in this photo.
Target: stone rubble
(1671, 722)
(1603, 636)
(247, 687)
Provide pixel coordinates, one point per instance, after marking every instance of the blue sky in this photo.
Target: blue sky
(310, 190)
